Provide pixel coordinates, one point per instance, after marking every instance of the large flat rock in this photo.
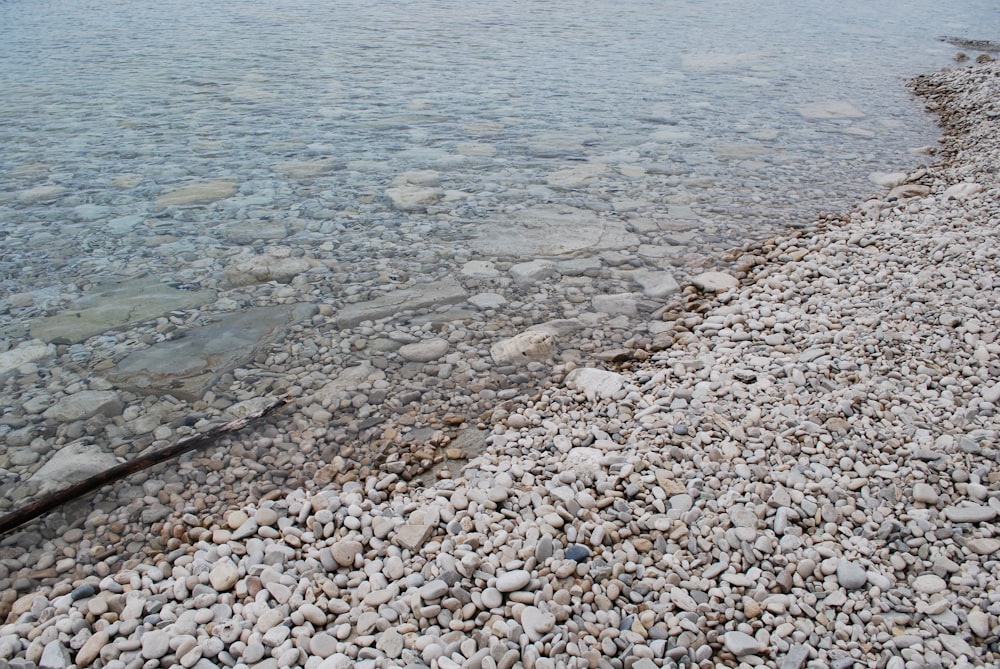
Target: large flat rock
(547, 230)
(187, 367)
(71, 463)
(419, 297)
(116, 305)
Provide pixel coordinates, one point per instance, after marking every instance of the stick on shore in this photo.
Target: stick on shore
(56, 499)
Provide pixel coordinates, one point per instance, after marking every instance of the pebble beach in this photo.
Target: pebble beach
(795, 464)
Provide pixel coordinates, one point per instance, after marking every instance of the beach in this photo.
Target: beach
(799, 471)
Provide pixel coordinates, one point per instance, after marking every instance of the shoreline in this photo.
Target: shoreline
(744, 496)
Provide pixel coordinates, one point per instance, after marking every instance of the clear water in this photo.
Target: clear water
(693, 107)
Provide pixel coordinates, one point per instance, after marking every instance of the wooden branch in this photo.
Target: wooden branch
(51, 501)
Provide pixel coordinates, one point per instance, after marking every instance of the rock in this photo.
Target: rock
(512, 581)
(621, 303)
(910, 190)
(929, 584)
(972, 513)
(715, 282)
(529, 273)
(484, 301)
(155, 644)
(576, 177)
(54, 656)
(390, 642)
(851, 576)
(832, 109)
(425, 351)
(550, 230)
(84, 404)
(522, 348)
(305, 169)
(114, 305)
(596, 384)
(577, 553)
(536, 623)
(91, 649)
(963, 190)
(957, 646)
(412, 536)
(323, 645)
(224, 575)
(264, 267)
(23, 354)
(345, 552)
(480, 268)
(983, 546)
(40, 194)
(413, 198)
(740, 643)
(419, 297)
(200, 192)
(979, 623)
(187, 367)
(924, 494)
(888, 179)
(796, 658)
(656, 285)
(72, 463)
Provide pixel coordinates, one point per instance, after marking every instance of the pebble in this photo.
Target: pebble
(929, 584)
(851, 575)
(924, 494)
(740, 644)
(511, 581)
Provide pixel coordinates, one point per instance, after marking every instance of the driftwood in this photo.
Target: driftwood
(51, 501)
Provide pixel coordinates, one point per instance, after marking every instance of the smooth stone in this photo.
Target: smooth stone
(200, 192)
(265, 516)
(484, 301)
(533, 345)
(740, 643)
(970, 514)
(83, 405)
(432, 590)
(323, 645)
(924, 493)
(250, 269)
(851, 576)
(715, 282)
(957, 646)
(425, 351)
(595, 383)
(390, 642)
(408, 197)
(929, 584)
(512, 581)
(55, 656)
(91, 649)
(983, 546)
(529, 273)
(656, 285)
(72, 463)
(345, 552)
(536, 623)
(963, 190)
(418, 298)
(979, 623)
(577, 553)
(492, 598)
(23, 354)
(550, 230)
(155, 644)
(224, 575)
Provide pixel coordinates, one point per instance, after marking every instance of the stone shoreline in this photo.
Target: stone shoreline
(806, 475)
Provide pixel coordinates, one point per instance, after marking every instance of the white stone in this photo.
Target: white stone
(929, 584)
(527, 274)
(740, 643)
(963, 190)
(513, 580)
(888, 179)
(425, 351)
(524, 347)
(413, 198)
(485, 301)
(595, 383)
(715, 282)
(23, 354)
(224, 575)
(971, 513)
(155, 644)
(536, 623)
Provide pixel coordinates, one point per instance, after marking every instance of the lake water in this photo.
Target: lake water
(346, 150)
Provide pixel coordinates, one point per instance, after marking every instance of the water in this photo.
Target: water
(677, 126)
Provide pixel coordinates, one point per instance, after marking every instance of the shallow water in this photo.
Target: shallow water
(662, 131)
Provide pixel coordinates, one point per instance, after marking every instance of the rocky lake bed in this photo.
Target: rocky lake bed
(610, 454)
